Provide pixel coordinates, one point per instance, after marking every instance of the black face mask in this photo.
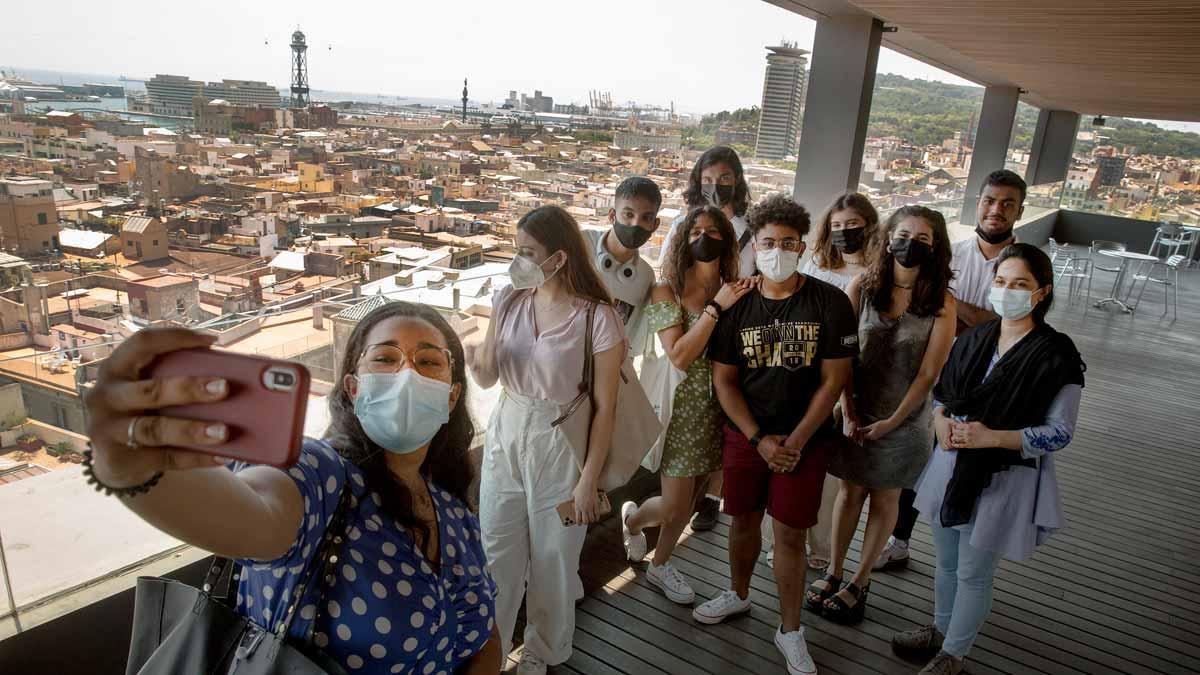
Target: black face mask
(910, 252)
(848, 241)
(631, 236)
(990, 238)
(707, 249)
(716, 194)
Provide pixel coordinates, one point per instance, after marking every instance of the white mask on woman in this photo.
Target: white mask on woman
(1010, 303)
(525, 273)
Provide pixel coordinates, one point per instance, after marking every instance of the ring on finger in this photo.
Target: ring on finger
(130, 434)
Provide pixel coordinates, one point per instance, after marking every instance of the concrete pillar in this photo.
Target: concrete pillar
(1053, 141)
(840, 84)
(991, 143)
(318, 316)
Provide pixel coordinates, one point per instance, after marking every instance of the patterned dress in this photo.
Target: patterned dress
(693, 442)
(889, 359)
(389, 610)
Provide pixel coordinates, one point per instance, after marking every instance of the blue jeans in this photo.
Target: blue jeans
(962, 588)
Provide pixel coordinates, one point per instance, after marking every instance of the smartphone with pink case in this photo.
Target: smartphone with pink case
(264, 409)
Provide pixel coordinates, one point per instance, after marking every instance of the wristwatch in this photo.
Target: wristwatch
(755, 440)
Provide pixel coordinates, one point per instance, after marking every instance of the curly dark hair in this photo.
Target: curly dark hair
(679, 258)
(825, 254)
(447, 463)
(720, 154)
(929, 291)
(778, 209)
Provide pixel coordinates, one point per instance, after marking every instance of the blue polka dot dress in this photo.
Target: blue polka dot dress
(389, 610)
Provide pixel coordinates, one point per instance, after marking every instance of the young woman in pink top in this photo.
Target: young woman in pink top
(535, 349)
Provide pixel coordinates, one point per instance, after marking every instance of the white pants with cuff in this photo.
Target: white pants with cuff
(528, 470)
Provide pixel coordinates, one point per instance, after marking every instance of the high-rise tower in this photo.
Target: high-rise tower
(464, 111)
(782, 100)
(299, 70)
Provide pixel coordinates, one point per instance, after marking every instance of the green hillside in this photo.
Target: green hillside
(925, 112)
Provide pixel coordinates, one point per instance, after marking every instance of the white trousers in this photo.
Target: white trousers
(528, 470)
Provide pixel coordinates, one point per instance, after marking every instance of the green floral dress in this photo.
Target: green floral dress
(693, 443)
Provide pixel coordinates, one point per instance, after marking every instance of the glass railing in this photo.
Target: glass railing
(59, 539)
(1041, 199)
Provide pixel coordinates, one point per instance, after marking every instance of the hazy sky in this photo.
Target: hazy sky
(705, 55)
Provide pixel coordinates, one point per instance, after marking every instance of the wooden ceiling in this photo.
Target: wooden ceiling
(1128, 58)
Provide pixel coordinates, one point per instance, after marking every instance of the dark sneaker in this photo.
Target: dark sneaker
(943, 664)
(920, 644)
(706, 515)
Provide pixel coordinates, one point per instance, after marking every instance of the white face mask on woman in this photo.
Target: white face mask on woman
(403, 411)
(1010, 303)
(777, 264)
(525, 273)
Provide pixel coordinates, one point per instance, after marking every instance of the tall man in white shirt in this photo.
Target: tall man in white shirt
(1001, 203)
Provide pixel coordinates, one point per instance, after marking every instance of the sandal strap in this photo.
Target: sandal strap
(832, 584)
(858, 593)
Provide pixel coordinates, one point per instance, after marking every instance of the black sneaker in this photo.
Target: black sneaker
(706, 515)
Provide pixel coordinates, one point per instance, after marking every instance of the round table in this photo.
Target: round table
(1115, 296)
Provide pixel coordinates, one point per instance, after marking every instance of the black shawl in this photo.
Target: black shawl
(1016, 395)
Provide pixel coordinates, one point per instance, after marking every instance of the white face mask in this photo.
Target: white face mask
(525, 273)
(1010, 303)
(401, 411)
(777, 264)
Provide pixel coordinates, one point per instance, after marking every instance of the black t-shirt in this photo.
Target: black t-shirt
(778, 346)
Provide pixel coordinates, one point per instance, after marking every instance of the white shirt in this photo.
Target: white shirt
(840, 278)
(628, 283)
(746, 265)
(972, 273)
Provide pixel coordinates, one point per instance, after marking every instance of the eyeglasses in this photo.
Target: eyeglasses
(428, 361)
(790, 245)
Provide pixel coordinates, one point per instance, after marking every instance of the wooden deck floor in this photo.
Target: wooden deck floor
(1131, 481)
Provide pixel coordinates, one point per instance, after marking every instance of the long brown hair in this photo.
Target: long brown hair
(825, 254)
(679, 258)
(555, 229)
(693, 195)
(929, 292)
(447, 463)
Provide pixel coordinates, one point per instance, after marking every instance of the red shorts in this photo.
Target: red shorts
(792, 498)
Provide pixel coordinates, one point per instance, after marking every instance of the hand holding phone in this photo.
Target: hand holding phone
(566, 510)
(263, 411)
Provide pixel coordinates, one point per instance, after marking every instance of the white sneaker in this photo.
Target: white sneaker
(720, 608)
(531, 664)
(671, 582)
(795, 650)
(894, 555)
(635, 544)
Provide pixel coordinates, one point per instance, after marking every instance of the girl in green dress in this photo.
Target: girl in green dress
(699, 281)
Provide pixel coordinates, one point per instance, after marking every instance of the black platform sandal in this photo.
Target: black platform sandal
(815, 597)
(837, 611)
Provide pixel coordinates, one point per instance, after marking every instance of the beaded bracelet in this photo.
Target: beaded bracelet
(89, 472)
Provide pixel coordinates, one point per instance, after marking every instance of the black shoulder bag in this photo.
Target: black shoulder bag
(180, 629)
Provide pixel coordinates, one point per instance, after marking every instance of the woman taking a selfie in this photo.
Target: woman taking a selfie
(535, 348)
(410, 591)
